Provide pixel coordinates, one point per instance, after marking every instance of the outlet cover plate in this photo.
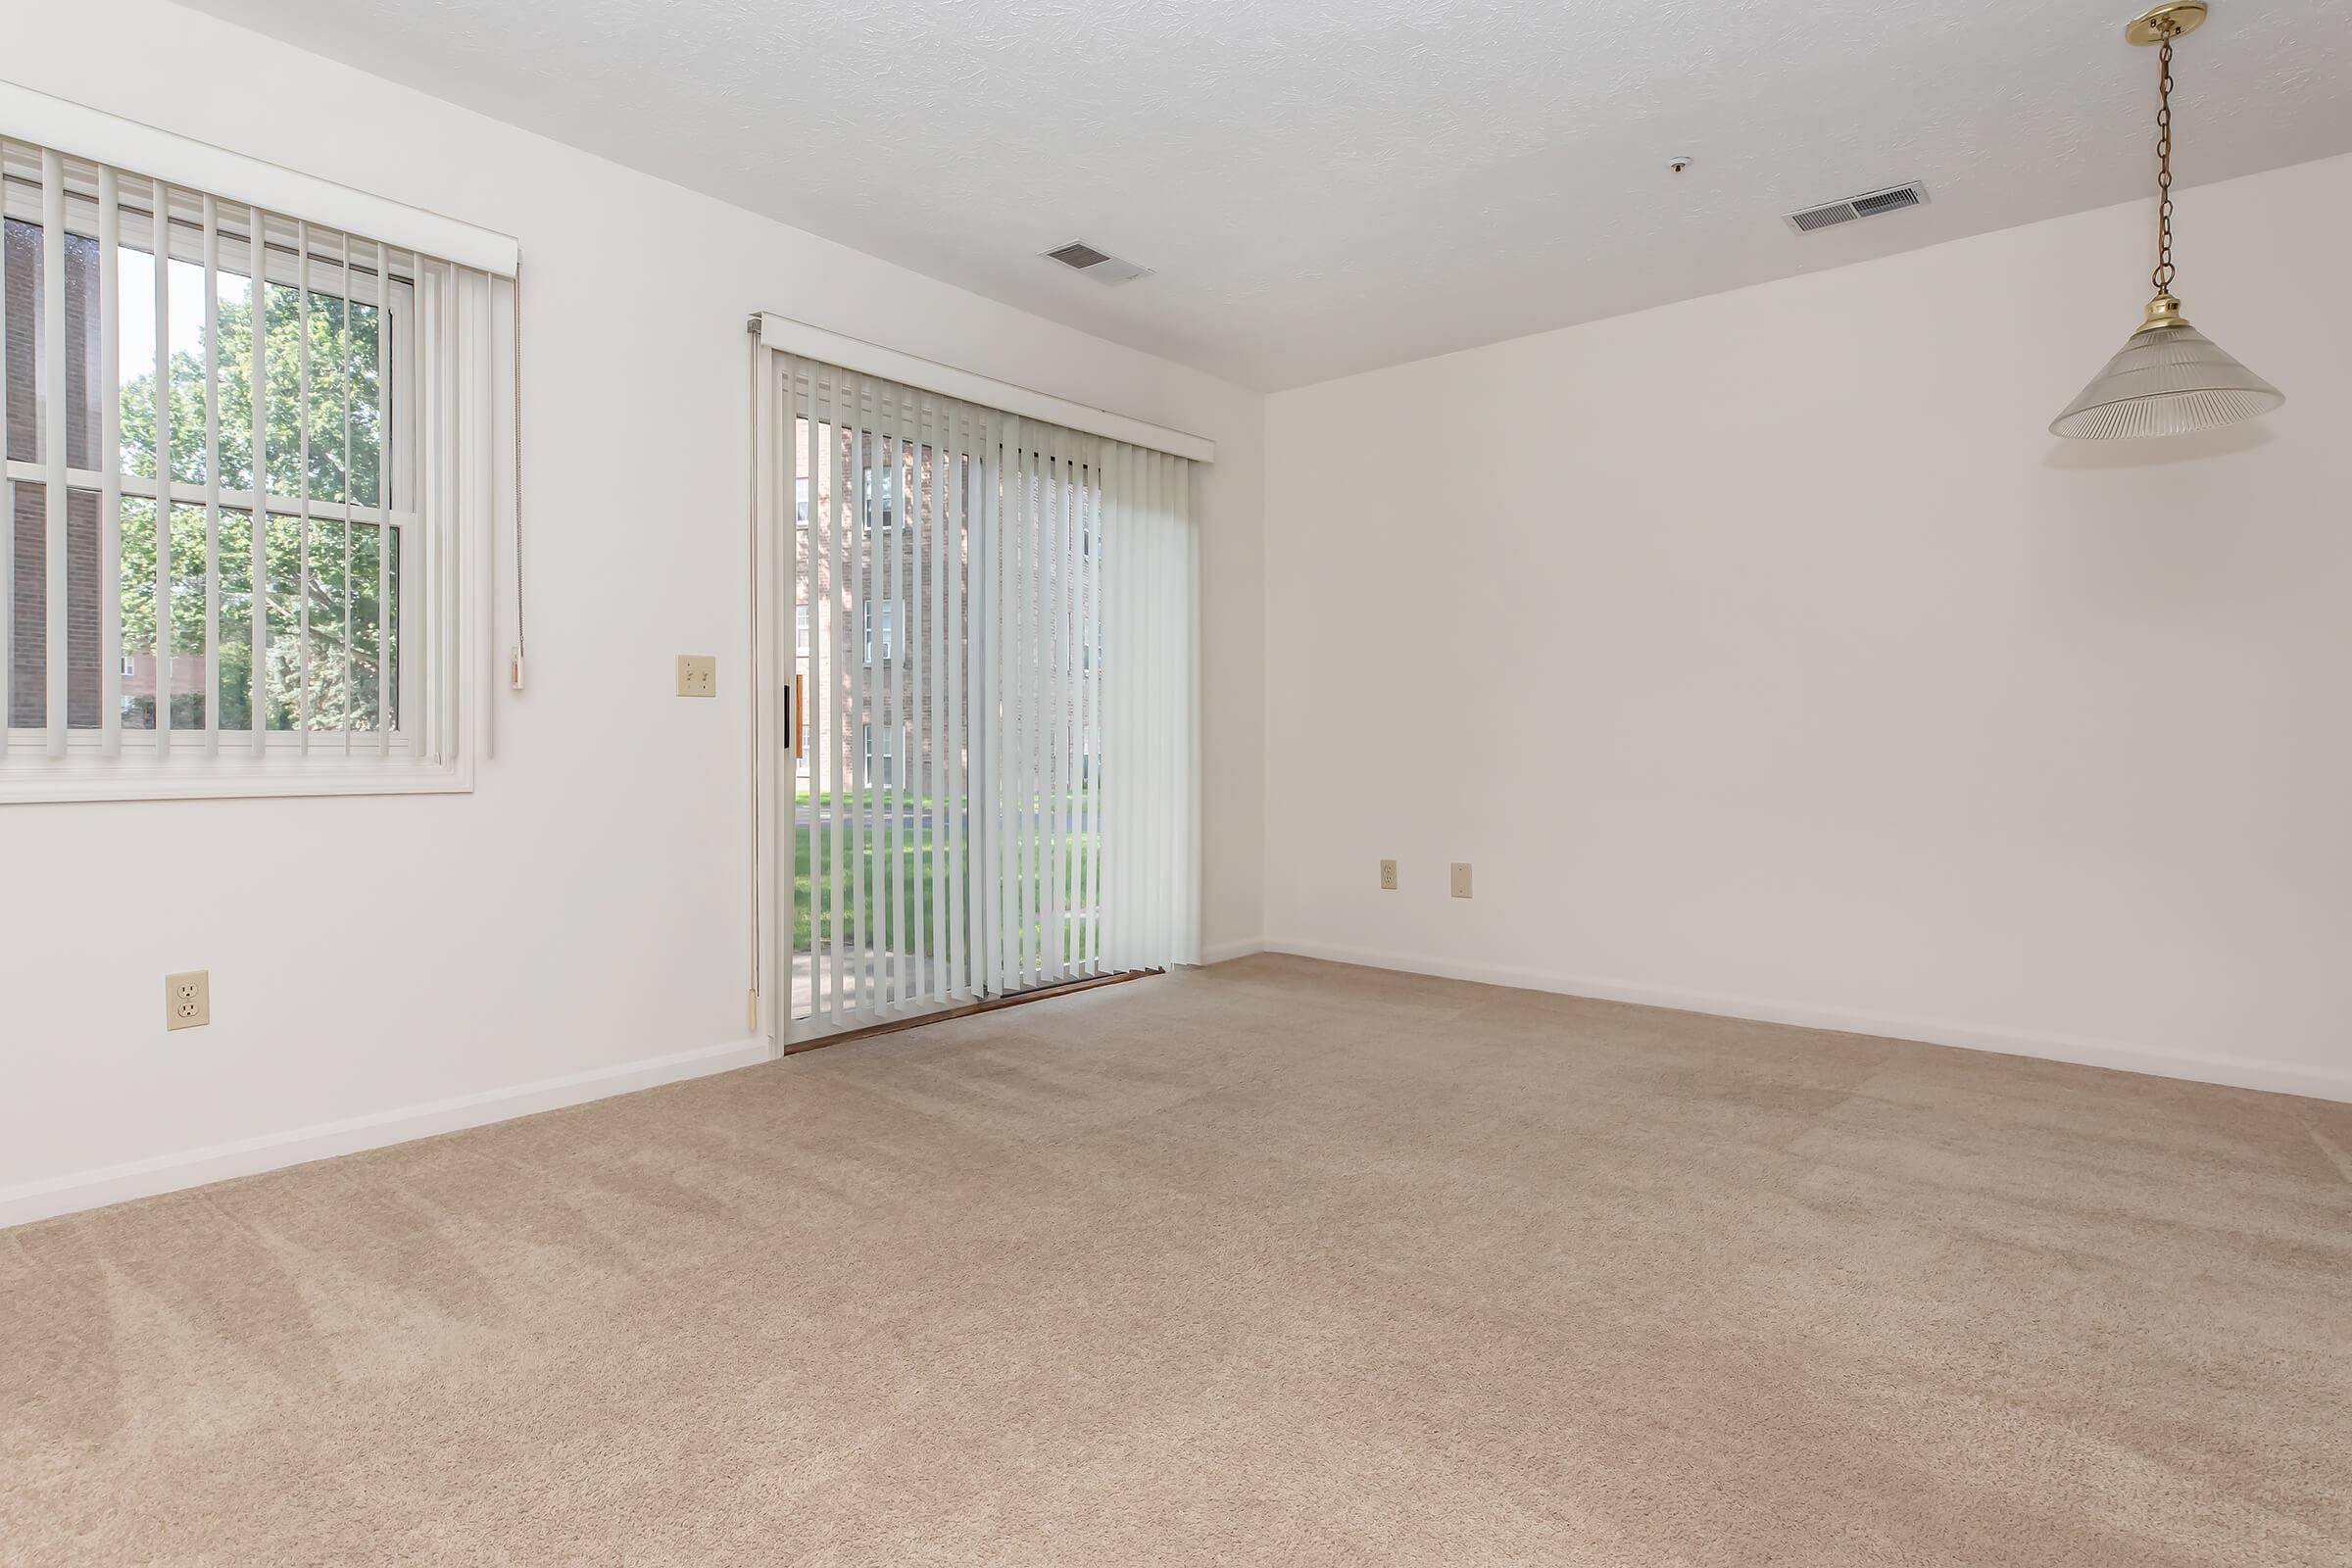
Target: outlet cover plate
(188, 999)
(698, 675)
(1388, 876)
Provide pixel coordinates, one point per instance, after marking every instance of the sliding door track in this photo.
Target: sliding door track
(889, 1026)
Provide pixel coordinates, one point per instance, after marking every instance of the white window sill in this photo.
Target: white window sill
(190, 775)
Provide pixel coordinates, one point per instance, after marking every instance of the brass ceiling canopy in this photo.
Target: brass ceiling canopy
(2161, 23)
(2168, 377)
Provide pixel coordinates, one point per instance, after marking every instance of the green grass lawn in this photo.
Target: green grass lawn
(910, 897)
(875, 800)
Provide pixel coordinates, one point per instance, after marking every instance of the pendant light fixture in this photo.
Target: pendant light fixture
(2170, 378)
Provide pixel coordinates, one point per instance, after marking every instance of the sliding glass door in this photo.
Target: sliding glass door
(991, 726)
(881, 827)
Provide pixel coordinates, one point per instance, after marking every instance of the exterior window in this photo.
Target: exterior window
(215, 557)
(888, 619)
(799, 630)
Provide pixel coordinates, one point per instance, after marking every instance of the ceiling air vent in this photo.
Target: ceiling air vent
(1101, 265)
(1829, 215)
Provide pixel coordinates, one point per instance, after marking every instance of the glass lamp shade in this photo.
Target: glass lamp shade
(2168, 380)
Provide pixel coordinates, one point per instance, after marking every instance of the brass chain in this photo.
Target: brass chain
(2163, 277)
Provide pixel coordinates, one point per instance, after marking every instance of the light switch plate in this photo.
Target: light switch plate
(188, 999)
(698, 675)
(1461, 879)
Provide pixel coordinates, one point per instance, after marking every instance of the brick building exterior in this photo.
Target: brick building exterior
(28, 644)
(895, 648)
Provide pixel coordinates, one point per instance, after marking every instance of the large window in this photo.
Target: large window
(233, 514)
(329, 552)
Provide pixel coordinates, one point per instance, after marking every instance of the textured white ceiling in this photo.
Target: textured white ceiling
(1324, 186)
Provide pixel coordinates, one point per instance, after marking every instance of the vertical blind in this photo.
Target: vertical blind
(242, 452)
(1002, 785)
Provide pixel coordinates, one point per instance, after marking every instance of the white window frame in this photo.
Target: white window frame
(436, 314)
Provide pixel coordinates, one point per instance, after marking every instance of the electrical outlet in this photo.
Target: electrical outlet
(698, 675)
(1388, 876)
(188, 999)
(1461, 879)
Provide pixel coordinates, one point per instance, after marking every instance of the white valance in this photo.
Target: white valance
(190, 165)
(804, 341)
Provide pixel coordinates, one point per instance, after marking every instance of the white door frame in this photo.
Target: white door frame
(770, 573)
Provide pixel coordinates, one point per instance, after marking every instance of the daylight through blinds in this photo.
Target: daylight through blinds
(997, 786)
(232, 482)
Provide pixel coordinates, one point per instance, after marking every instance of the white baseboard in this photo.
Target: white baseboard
(2237, 1072)
(1225, 952)
(196, 1167)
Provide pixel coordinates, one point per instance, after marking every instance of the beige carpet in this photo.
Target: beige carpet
(1278, 1263)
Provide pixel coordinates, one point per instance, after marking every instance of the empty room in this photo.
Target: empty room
(1450, 782)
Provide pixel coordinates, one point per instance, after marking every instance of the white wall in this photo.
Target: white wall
(586, 909)
(1765, 656)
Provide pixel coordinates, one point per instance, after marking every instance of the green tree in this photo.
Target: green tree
(339, 581)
